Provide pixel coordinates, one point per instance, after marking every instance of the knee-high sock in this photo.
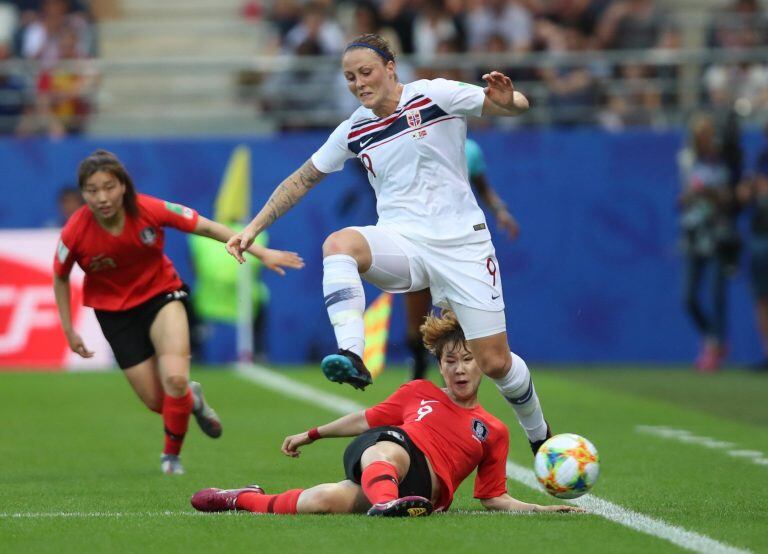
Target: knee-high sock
(345, 301)
(517, 387)
(176, 419)
(379, 482)
(283, 503)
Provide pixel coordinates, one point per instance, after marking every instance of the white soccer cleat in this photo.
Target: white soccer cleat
(206, 417)
(170, 464)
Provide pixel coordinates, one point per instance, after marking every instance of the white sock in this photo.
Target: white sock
(345, 301)
(517, 387)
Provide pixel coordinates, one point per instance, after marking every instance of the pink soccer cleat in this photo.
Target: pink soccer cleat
(407, 506)
(220, 500)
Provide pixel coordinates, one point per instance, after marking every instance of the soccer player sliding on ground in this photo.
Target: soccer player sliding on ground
(140, 302)
(411, 453)
(431, 232)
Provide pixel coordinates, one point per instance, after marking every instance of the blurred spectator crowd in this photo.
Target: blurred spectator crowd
(542, 42)
(46, 80)
(613, 63)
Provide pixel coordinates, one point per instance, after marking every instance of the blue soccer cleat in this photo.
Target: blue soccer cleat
(346, 367)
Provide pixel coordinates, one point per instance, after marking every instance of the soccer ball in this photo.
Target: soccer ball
(567, 465)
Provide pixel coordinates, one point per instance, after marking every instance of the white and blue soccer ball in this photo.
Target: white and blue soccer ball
(567, 465)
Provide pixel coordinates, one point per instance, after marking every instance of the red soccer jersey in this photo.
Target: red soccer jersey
(455, 440)
(123, 271)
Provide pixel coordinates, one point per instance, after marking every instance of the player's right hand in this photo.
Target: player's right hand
(240, 242)
(291, 444)
(77, 345)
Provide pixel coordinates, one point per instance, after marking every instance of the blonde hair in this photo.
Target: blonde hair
(439, 332)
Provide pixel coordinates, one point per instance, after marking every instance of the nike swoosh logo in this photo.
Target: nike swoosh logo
(495, 297)
(364, 142)
(428, 401)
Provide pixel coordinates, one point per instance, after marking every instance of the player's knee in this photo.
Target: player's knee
(349, 243)
(176, 385)
(388, 452)
(154, 405)
(494, 363)
(338, 242)
(320, 501)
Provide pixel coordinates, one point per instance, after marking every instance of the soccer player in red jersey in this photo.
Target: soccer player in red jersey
(411, 453)
(140, 301)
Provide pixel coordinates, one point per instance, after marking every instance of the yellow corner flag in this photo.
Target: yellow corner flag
(233, 201)
(376, 319)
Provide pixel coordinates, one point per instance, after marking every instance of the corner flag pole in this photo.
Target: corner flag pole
(233, 204)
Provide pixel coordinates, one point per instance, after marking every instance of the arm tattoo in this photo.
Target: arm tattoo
(291, 190)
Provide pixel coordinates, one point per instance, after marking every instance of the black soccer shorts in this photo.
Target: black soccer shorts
(417, 481)
(127, 331)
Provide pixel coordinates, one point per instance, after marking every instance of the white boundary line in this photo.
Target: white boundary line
(685, 436)
(116, 515)
(688, 540)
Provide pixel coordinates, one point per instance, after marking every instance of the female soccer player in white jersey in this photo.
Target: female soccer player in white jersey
(431, 232)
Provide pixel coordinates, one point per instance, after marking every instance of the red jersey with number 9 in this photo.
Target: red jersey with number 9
(122, 271)
(455, 440)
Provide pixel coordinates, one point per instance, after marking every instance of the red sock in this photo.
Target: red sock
(379, 482)
(283, 503)
(176, 419)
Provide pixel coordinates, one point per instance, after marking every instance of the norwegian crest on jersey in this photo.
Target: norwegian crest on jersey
(413, 117)
(419, 111)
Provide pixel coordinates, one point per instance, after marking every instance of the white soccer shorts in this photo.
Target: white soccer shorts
(464, 278)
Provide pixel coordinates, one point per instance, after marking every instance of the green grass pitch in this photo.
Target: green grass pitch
(79, 467)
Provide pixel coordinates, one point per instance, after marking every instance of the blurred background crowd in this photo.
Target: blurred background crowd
(109, 66)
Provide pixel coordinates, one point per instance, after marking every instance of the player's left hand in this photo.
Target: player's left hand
(292, 444)
(500, 89)
(560, 509)
(240, 242)
(277, 259)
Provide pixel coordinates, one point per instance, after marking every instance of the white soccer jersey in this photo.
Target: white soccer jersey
(416, 161)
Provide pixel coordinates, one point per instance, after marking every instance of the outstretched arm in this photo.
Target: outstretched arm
(349, 425)
(286, 195)
(506, 503)
(272, 259)
(501, 98)
(490, 198)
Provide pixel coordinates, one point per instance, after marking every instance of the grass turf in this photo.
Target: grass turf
(82, 445)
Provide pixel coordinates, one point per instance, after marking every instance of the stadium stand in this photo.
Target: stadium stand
(221, 67)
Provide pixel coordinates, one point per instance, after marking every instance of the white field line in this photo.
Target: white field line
(116, 515)
(688, 540)
(685, 436)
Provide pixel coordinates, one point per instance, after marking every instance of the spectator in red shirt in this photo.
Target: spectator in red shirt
(411, 453)
(140, 302)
